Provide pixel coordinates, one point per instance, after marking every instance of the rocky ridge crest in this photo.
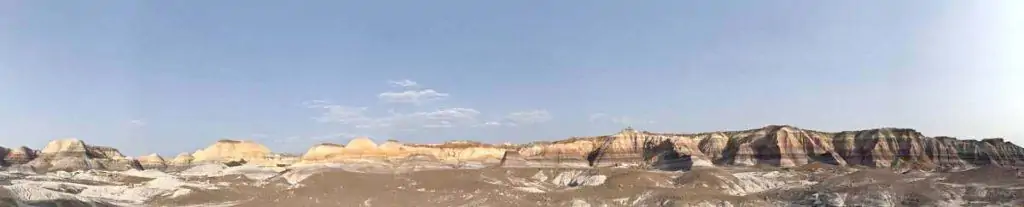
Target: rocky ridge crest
(775, 145)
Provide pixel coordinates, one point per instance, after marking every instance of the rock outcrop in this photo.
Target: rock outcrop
(775, 145)
(778, 145)
(363, 148)
(224, 151)
(631, 147)
(73, 154)
(993, 151)
(3, 151)
(110, 158)
(513, 159)
(152, 162)
(19, 155)
(181, 162)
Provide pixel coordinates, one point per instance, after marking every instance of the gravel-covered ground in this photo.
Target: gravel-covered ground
(390, 184)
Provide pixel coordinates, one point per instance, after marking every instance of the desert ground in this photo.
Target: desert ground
(372, 183)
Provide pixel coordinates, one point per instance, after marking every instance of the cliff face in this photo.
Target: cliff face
(363, 149)
(152, 161)
(73, 154)
(987, 151)
(784, 146)
(662, 151)
(775, 145)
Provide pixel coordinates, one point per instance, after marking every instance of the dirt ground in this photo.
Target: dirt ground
(493, 186)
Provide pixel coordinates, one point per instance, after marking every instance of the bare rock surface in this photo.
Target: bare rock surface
(779, 145)
(19, 155)
(152, 161)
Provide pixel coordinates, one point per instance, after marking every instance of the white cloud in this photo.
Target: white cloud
(488, 124)
(619, 120)
(406, 83)
(342, 114)
(441, 118)
(412, 96)
(622, 120)
(137, 122)
(361, 118)
(528, 117)
(356, 117)
(335, 137)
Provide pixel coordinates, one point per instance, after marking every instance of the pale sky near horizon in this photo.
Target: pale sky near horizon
(175, 76)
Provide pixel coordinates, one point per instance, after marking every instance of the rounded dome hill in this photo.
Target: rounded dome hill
(322, 151)
(361, 143)
(231, 150)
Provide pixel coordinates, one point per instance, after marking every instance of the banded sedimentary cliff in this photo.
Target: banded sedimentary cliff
(181, 162)
(775, 145)
(73, 154)
(662, 151)
(152, 162)
(993, 151)
(778, 145)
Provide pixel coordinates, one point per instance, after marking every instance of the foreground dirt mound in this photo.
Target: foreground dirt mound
(706, 178)
(860, 178)
(384, 184)
(991, 175)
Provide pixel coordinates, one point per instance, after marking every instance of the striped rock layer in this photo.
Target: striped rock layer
(775, 145)
(783, 146)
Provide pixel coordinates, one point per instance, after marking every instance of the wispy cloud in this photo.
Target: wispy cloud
(340, 114)
(412, 96)
(137, 123)
(597, 116)
(356, 117)
(361, 117)
(406, 83)
(332, 137)
(341, 136)
(488, 124)
(619, 120)
(528, 117)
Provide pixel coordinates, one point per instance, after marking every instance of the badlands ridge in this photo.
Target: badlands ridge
(769, 166)
(782, 146)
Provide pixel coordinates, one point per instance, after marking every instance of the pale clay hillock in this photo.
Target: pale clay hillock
(152, 161)
(232, 150)
(181, 162)
(366, 149)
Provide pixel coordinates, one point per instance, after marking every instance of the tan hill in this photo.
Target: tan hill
(152, 161)
(363, 148)
(181, 162)
(231, 150)
(73, 154)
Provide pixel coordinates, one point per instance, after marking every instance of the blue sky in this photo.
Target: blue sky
(174, 76)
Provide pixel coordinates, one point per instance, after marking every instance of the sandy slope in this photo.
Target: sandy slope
(379, 184)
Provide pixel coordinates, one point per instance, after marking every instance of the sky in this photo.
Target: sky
(175, 76)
